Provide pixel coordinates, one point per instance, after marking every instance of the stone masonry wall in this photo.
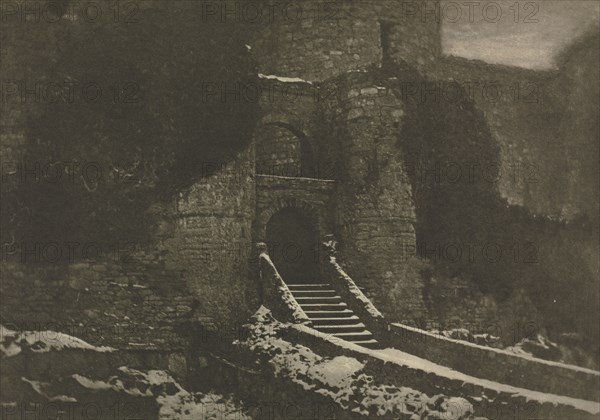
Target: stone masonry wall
(278, 152)
(527, 111)
(207, 237)
(512, 124)
(138, 304)
(197, 268)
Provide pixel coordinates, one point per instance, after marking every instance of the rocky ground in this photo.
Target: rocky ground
(53, 375)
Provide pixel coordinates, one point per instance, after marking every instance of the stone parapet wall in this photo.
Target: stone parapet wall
(484, 362)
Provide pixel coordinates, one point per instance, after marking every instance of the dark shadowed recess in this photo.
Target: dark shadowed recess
(292, 239)
(160, 124)
(545, 257)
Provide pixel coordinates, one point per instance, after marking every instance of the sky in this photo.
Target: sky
(517, 33)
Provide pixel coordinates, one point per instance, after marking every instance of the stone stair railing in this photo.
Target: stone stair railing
(275, 293)
(333, 274)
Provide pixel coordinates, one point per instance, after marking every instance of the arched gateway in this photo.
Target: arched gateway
(292, 242)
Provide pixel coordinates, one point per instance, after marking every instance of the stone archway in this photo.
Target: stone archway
(283, 150)
(272, 205)
(292, 240)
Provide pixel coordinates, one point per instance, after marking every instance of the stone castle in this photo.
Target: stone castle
(423, 167)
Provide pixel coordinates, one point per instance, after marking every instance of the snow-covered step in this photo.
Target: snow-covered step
(319, 314)
(308, 286)
(322, 306)
(330, 315)
(313, 293)
(318, 299)
(353, 319)
(359, 327)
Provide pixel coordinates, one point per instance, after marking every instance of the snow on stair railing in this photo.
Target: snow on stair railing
(270, 279)
(345, 281)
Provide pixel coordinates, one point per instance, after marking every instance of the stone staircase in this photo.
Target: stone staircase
(330, 315)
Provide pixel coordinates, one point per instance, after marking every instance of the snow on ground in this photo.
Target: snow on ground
(44, 389)
(173, 400)
(195, 406)
(14, 342)
(342, 378)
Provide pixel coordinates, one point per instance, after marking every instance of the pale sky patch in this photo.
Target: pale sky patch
(527, 34)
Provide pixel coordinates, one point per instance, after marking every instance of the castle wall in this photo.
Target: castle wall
(523, 115)
(135, 305)
(542, 127)
(542, 122)
(534, 116)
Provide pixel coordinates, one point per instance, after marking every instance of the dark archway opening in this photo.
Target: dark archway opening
(292, 243)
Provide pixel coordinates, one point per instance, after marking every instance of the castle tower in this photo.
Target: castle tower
(340, 48)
